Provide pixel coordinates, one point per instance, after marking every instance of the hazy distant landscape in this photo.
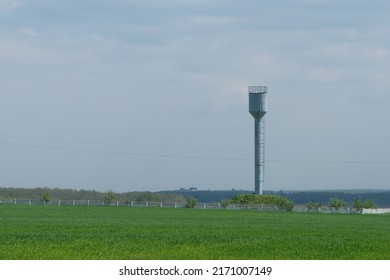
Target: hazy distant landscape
(381, 198)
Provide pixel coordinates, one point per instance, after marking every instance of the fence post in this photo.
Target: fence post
(15, 201)
(73, 203)
(161, 204)
(29, 202)
(117, 203)
(175, 205)
(59, 202)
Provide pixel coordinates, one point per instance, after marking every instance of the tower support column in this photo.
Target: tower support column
(259, 155)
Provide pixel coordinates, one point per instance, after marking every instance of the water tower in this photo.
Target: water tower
(258, 108)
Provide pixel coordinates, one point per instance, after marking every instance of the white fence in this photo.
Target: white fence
(324, 209)
(213, 205)
(376, 211)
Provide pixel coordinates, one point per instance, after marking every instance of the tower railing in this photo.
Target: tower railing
(258, 89)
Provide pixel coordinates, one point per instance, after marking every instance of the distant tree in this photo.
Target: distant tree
(127, 200)
(191, 202)
(369, 204)
(109, 197)
(225, 203)
(147, 196)
(358, 204)
(46, 197)
(337, 203)
(313, 205)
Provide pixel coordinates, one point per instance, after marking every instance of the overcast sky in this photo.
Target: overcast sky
(153, 95)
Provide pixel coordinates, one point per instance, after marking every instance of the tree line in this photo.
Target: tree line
(347, 198)
(380, 198)
(47, 194)
(309, 198)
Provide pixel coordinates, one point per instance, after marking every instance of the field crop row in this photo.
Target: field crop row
(67, 232)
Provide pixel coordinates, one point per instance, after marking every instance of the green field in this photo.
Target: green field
(80, 232)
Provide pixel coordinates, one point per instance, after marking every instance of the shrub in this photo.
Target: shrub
(191, 202)
(262, 199)
(313, 205)
(337, 203)
(369, 204)
(358, 204)
(109, 197)
(46, 197)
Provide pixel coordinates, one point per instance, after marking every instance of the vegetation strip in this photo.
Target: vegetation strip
(77, 232)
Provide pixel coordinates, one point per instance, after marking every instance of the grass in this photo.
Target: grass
(31, 232)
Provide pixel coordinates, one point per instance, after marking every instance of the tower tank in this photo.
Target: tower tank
(257, 101)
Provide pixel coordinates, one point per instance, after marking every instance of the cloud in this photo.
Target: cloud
(29, 31)
(9, 5)
(377, 54)
(208, 21)
(319, 74)
(177, 72)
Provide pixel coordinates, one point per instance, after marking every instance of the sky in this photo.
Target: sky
(152, 95)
